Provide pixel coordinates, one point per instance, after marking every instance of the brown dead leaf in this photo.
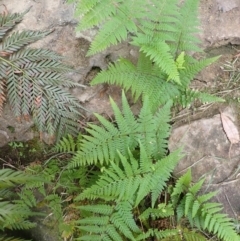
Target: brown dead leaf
(230, 128)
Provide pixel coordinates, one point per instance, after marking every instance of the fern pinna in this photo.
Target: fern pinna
(32, 80)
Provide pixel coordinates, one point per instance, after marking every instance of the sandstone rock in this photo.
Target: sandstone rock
(209, 154)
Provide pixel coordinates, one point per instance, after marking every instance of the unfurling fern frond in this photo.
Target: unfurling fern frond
(32, 81)
(104, 141)
(200, 212)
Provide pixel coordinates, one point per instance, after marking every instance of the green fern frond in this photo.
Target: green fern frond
(117, 20)
(84, 6)
(9, 178)
(144, 79)
(138, 179)
(147, 79)
(187, 27)
(112, 33)
(200, 212)
(191, 235)
(14, 215)
(94, 12)
(103, 142)
(14, 212)
(19, 223)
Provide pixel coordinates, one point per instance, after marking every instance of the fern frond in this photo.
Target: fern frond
(200, 212)
(19, 224)
(103, 142)
(113, 32)
(191, 235)
(9, 178)
(8, 21)
(138, 180)
(17, 40)
(117, 18)
(193, 67)
(24, 56)
(144, 79)
(177, 234)
(159, 53)
(33, 87)
(187, 27)
(95, 12)
(147, 79)
(13, 216)
(32, 81)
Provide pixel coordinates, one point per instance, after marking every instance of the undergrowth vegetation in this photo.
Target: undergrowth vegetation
(114, 181)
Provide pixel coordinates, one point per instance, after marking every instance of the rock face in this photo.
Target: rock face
(209, 154)
(219, 22)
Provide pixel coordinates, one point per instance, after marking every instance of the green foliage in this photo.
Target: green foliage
(114, 217)
(56, 191)
(14, 213)
(68, 144)
(103, 142)
(200, 212)
(32, 80)
(165, 33)
(124, 200)
(120, 171)
(146, 79)
(4, 238)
